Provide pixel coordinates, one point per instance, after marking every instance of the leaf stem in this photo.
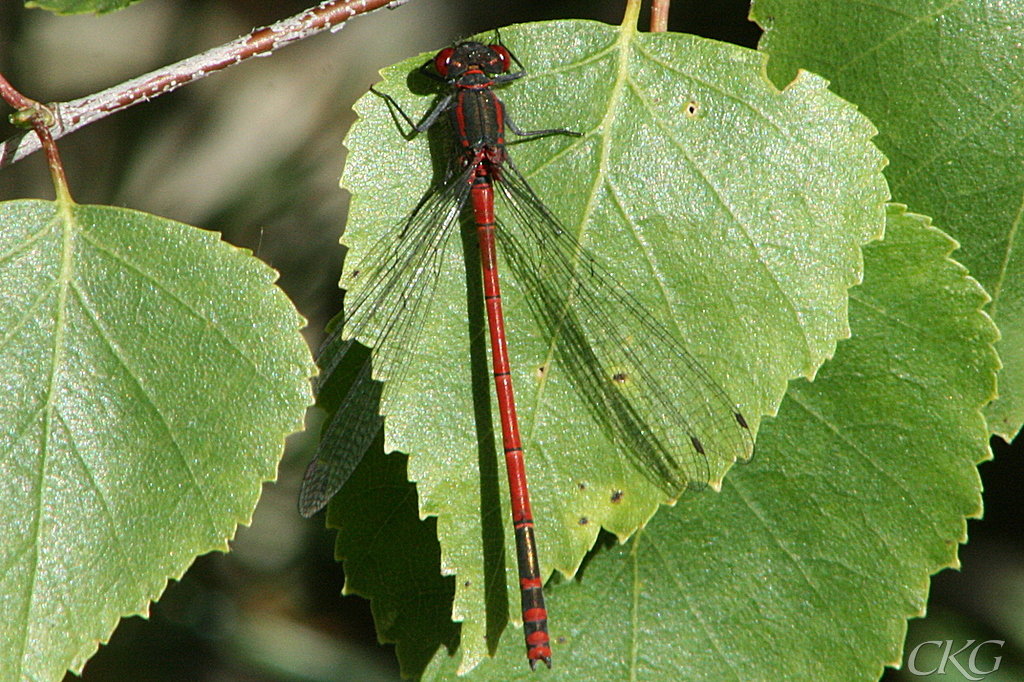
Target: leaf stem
(70, 116)
(40, 117)
(632, 14)
(659, 15)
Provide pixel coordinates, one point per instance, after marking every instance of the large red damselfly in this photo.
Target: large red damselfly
(642, 387)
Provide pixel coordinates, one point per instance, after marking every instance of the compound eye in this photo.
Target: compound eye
(504, 56)
(441, 61)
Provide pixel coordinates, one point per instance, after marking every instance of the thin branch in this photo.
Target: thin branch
(70, 116)
(13, 97)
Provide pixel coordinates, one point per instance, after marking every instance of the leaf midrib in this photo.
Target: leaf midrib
(65, 216)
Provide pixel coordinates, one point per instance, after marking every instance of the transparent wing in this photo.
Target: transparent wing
(649, 395)
(386, 296)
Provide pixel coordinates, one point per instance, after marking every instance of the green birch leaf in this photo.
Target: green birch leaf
(944, 85)
(80, 6)
(150, 374)
(809, 562)
(733, 212)
(392, 557)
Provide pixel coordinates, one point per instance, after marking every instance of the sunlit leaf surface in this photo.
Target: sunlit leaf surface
(809, 562)
(733, 213)
(943, 83)
(150, 373)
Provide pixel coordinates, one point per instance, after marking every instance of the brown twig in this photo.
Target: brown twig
(13, 97)
(659, 16)
(70, 116)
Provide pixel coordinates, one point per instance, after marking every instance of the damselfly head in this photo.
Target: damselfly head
(452, 62)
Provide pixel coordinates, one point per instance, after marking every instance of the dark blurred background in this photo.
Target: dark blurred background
(255, 153)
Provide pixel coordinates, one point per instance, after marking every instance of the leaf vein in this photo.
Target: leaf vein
(150, 400)
(170, 293)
